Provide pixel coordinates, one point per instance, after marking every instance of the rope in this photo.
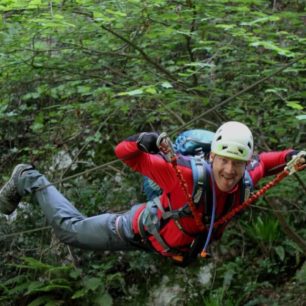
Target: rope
(255, 196)
(196, 214)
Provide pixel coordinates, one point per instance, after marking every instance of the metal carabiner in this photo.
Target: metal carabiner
(296, 162)
(165, 146)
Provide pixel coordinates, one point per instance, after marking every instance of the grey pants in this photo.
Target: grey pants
(103, 232)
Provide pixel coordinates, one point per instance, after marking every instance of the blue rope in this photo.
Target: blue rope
(213, 212)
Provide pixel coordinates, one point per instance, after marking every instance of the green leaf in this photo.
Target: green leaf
(93, 283)
(272, 46)
(301, 275)
(32, 262)
(276, 90)
(151, 90)
(98, 16)
(135, 92)
(53, 303)
(261, 20)
(41, 287)
(79, 293)
(115, 13)
(225, 26)
(301, 117)
(104, 299)
(85, 90)
(199, 64)
(75, 273)
(34, 4)
(42, 300)
(166, 85)
(295, 105)
(280, 251)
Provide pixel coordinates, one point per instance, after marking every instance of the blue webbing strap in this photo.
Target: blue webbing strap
(199, 178)
(213, 212)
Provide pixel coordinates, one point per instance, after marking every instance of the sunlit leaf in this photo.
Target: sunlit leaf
(295, 105)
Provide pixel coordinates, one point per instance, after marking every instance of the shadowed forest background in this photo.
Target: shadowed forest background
(77, 77)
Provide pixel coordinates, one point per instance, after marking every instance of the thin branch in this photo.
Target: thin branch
(176, 115)
(290, 232)
(86, 144)
(189, 40)
(25, 232)
(300, 182)
(299, 211)
(226, 101)
(143, 53)
(177, 83)
(117, 170)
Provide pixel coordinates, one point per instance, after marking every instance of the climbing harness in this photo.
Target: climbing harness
(166, 147)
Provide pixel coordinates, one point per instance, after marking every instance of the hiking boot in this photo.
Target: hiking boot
(9, 196)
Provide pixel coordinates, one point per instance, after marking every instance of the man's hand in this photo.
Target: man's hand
(146, 142)
(302, 155)
(297, 161)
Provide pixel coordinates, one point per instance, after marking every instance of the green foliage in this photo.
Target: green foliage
(55, 285)
(265, 231)
(76, 77)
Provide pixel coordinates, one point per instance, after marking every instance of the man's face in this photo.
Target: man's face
(227, 172)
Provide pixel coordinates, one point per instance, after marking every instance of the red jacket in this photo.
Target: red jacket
(162, 172)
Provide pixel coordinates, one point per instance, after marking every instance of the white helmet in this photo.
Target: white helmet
(234, 140)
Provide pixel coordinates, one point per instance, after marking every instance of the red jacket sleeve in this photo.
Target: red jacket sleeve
(267, 163)
(152, 165)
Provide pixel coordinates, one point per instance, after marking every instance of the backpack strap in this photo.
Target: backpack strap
(199, 175)
(201, 170)
(247, 186)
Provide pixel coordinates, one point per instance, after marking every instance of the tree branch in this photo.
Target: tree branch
(229, 99)
(143, 53)
(189, 40)
(275, 203)
(300, 181)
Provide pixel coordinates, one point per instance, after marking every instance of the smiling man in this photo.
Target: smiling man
(166, 224)
(227, 172)
(231, 149)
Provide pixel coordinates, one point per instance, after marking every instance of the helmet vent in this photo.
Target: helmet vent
(219, 138)
(240, 151)
(249, 145)
(224, 147)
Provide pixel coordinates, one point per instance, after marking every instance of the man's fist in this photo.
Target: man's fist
(146, 142)
(300, 155)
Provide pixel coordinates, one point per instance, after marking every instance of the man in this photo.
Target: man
(165, 224)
